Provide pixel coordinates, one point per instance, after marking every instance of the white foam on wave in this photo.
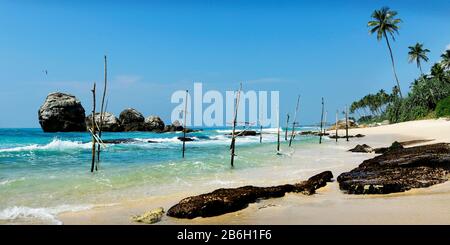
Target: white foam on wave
(9, 181)
(47, 215)
(55, 145)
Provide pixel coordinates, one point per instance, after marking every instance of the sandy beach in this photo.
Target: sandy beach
(328, 206)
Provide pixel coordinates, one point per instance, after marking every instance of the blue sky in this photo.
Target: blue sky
(312, 48)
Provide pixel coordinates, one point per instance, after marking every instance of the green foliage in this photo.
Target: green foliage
(425, 94)
(384, 22)
(429, 94)
(417, 53)
(445, 62)
(443, 108)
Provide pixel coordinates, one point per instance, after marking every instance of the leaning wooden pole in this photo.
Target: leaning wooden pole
(287, 128)
(325, 122)
(293, 123)
(321, 124)
(337, 118)
(233, 132)
(102, 111)
(184, 123)
(93, 129)
(346, 122)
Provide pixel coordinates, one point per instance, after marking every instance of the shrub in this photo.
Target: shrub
(443, 108)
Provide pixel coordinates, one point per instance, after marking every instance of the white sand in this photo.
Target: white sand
(330, 205)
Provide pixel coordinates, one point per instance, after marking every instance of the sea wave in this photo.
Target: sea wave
(54, 145)
(10, 181)
(47, 215)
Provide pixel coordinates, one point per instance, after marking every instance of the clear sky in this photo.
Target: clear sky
(312, 48)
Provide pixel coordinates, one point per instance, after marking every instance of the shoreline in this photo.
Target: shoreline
(329, 206)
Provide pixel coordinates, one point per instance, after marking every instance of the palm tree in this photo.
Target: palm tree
(437, 71)
(417, 53)
(384, 23)
(446, 59)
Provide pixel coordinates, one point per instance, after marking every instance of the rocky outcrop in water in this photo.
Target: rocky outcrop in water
(399, 169)
(343, 136)
(185, 139)
(342, 123)
(132, 120)
(315, 133)
(245, 133)
(62, 113)
(110, 122)
(223, 201)
(154, 123)
(175, 126)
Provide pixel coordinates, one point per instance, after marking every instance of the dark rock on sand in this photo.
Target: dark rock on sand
(359, 135)
(362, 148)
(132, 120)
(223, 201)
(62, 113)
(399, 169)
(110, 122)
(396, 145)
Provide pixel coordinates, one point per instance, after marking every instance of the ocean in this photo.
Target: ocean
(43, 174)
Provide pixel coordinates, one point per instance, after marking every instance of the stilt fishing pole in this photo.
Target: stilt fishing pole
(293, 123)
(233, 132)
(321, 124)
(93, 129)
(184, 123)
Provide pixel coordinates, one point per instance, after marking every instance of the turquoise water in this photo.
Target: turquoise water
(42, 174)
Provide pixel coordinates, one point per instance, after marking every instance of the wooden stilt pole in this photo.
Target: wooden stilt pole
(260, 134)
(102, 112)
(233, 133)
(184, 124)
(346, 122)
(278, 135)
(260, 126)
(93, 130)
(321, 124)
(287, 126)
(293, 123)
(337, 118)
(325, 122)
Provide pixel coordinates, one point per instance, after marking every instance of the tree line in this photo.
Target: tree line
(426, 91)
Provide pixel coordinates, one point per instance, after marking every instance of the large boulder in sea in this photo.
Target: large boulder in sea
(154, 123)
(62, 113)
(175, 126)
(132, 120)
(110, 122)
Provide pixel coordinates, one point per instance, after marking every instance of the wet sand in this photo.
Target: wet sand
(328, 206)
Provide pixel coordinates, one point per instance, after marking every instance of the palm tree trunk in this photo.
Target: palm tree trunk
(420, 68)
(393, 65)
